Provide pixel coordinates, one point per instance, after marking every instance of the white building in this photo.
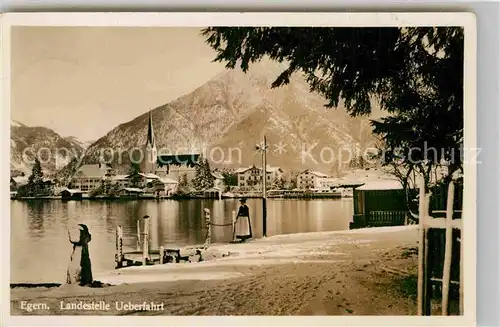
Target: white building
(151, 183)
(252, 176)
(121, 180)
(325, 183)
(89, 177)
(170, 186)
(310, 179)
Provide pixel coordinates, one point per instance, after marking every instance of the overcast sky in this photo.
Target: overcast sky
(84, 81)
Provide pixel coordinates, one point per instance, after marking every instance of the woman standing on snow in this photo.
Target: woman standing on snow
(243, 228)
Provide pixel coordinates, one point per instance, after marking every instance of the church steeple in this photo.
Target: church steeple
(150, 153)
(151, 136)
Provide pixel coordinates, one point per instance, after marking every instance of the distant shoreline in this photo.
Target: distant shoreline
(178, 198)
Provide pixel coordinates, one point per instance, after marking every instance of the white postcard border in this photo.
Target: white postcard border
(467, 20)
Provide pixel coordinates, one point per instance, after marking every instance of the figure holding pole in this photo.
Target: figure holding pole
(79, 270)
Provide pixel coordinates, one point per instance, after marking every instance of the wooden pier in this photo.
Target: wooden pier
(145, 256)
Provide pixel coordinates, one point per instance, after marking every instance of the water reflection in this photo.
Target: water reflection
(39, 228)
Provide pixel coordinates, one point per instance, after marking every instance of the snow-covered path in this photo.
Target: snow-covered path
(225, 261)
(335, 273)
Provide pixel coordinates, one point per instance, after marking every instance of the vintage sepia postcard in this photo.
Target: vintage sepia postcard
(239, 168)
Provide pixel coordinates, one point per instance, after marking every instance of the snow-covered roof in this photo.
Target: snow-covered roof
(147, 176)
(119, 177)
(20, 179)
(313, 172)
(381, 185)
(269, 169)
(329, 180)
(165, 180)
(150, 176)
(217, 175)
(96, 170)
(213, 189)
(318, 174)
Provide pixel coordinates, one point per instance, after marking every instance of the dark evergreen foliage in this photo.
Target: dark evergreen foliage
(203, 178)
(415, 74)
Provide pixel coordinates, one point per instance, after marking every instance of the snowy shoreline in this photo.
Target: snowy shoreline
(223, 260)
(325, 273)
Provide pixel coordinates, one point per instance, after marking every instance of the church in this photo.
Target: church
(166, 166)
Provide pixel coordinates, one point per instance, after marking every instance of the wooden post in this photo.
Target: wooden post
(264, 189)
(145, 241)
(461, 286)
(161, 254)
(427, 284)
(447, 249)
(208, 240)
(138, 235)
(421, 250)
(423, 278)
(119, 246)
(233, 217)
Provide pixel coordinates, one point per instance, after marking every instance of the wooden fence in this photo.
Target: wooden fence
(386, 218)
(440, 252)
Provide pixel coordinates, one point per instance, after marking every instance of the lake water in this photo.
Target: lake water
(40, 248)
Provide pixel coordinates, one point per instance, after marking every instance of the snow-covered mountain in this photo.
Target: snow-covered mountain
(53, 150)
(229, 115)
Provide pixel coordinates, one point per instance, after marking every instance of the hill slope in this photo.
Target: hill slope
(229, 114)
(53, 150)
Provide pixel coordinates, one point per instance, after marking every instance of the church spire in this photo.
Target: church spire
(151, 136)
(150, 159)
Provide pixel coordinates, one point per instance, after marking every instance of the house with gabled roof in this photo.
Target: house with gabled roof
(310, 179)
(90, 176)
(252, 176)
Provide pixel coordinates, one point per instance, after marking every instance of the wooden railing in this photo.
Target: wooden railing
(380, 219)
(386, 218)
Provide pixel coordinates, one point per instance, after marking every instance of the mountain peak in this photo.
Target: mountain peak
(262, 73)
(24, 137)
(233, 110)
(15, 123)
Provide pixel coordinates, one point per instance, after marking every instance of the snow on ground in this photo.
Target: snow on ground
(366, 176)
(224, 261)
(328, 273)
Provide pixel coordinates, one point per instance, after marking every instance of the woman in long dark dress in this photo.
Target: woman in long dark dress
(80, 269)
(243, 227)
